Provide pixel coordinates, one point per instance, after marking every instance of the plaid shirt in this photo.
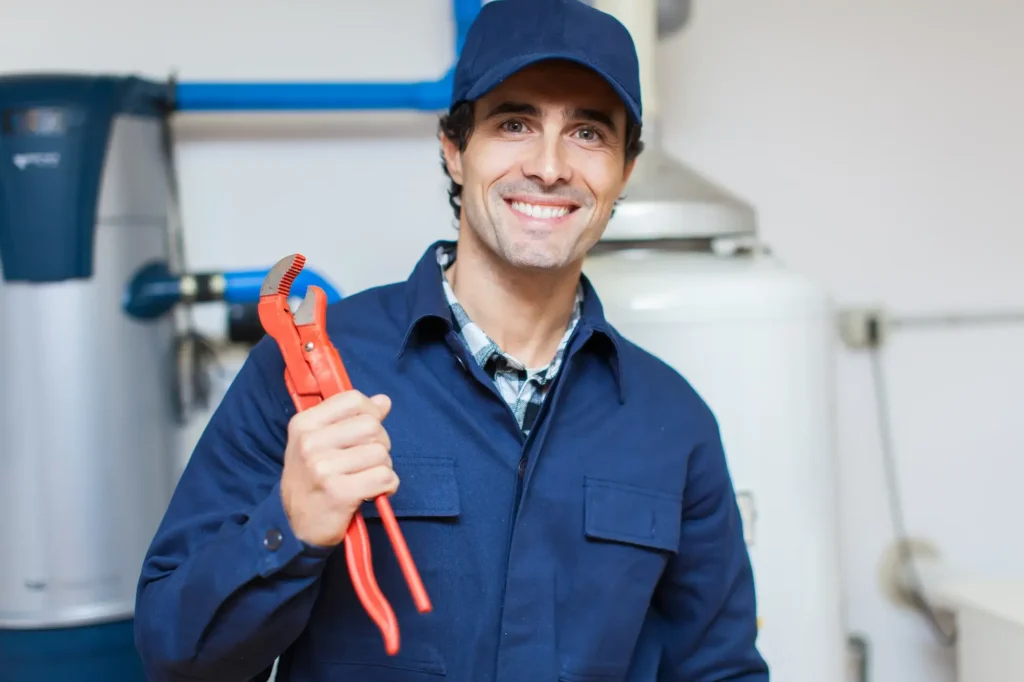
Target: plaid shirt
(522, 389)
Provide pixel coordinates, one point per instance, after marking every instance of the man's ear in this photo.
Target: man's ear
(625, 176)
(629, 171)
(452, 159)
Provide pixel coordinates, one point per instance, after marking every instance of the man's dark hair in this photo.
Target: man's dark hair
(457, 126)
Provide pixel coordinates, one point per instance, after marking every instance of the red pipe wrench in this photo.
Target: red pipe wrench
(314, 372)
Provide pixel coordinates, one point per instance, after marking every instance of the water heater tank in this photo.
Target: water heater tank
(756, 341)
(87, 432)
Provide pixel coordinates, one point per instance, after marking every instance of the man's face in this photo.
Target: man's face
(544, 165)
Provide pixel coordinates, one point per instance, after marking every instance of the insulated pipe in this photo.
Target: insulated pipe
(155, 290)
(243, 286)
(416, 96)
(423, 96)
(640, 17)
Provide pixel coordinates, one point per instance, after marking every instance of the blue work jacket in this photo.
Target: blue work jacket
(606, 546)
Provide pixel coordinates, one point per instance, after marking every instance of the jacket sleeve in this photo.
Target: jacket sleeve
(707, 594)
(226, 586)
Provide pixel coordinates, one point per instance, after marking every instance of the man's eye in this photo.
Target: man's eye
(513, 126)
(589, 134)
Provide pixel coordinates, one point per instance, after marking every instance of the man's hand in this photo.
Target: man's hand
(338, 455)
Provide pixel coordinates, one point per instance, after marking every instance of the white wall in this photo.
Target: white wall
(879, 141)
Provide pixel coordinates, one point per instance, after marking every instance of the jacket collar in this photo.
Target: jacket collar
(428, 309)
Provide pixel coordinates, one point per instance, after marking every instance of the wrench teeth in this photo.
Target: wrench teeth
(288, 278)
(279, 280)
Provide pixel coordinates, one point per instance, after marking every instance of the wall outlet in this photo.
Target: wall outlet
(863, 327)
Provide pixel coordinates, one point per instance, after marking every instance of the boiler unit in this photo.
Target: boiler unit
(680, 272)
(88, 424)
(756, 342)
(86, 427)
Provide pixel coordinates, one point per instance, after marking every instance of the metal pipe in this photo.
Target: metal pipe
(857, 647)
(243, 286)
(155, 290)
(640, 17)
(957, 319)
(416, 96)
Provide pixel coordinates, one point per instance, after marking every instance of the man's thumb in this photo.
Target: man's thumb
(383, 403)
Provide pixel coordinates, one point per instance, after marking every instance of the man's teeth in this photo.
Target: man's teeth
(543, 212)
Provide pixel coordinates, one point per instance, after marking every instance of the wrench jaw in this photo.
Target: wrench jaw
(276, 318)
(281, 277)
(313, 309)
(275, 315)
(307, 310)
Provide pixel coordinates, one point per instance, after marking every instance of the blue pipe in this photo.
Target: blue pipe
(425, 96)
(243, 286)
(154, 289)
(417, 96)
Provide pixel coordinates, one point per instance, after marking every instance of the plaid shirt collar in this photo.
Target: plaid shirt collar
(425, 301)
(482, 347)
(522, 388)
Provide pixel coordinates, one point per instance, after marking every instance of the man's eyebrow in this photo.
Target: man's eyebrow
(594, 116)
(520, 108)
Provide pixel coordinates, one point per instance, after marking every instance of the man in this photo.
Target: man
(563, 493)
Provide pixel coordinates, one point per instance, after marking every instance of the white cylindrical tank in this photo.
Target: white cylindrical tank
(756, 342)
(87, 427)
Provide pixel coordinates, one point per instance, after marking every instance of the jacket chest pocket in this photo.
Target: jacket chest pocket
(630, 534)
(427, 489)
(631, 515)
(427, 507)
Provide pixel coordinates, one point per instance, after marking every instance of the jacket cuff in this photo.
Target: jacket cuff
(277, 548)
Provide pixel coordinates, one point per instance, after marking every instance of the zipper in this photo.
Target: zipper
(513, 513)
(537, 434)
(473, 368)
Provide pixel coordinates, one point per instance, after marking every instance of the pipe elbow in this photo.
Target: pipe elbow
(152, 292)
(310, 277)
(243, 286)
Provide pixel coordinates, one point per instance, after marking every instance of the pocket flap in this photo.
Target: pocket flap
(630, 514)
(427, 487)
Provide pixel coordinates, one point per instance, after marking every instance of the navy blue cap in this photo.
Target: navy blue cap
(509, 35)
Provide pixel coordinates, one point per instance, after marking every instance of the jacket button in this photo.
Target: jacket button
(522, 467)
(273, 539)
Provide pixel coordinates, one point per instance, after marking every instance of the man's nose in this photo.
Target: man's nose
(548, 163)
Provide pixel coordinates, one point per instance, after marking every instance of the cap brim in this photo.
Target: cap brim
(505, 69)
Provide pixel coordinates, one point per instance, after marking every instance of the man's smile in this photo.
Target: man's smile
(549, 211)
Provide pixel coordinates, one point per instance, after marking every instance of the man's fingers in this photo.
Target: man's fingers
(366, 484)
(362, 429)
(336, 408)
(331, 463)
